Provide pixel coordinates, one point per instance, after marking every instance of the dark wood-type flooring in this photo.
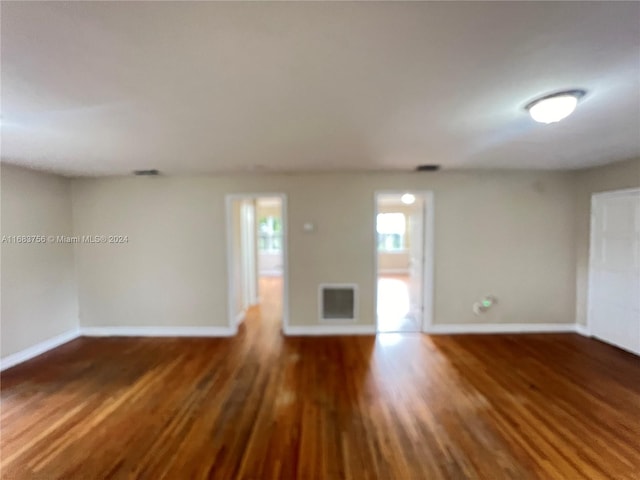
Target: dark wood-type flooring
(262, 406)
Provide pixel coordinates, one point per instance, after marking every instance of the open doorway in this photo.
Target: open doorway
(257, 259)
(403, 276)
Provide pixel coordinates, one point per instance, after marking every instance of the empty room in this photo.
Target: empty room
(320, 240)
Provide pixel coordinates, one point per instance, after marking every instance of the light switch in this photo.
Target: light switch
(308, 227)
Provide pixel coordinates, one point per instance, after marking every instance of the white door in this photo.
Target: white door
(614, 269)
(416, 260)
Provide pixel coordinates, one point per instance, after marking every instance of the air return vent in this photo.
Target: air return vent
(428, 168)
(338, 302)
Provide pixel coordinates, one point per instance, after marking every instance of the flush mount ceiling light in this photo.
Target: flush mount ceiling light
(407, 199)
(553, 108)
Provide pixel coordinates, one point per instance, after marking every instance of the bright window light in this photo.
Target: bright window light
(391, 228)
(391, 223)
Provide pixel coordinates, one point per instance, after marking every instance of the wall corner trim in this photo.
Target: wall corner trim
(38, 349)
(583, 330)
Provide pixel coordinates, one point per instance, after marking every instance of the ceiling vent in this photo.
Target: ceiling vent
(146, 173)
(427, 168)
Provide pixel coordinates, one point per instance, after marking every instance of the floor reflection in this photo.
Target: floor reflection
(394, 305)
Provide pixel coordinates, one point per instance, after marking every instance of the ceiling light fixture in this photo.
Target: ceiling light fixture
(408, 199)
(553, 108)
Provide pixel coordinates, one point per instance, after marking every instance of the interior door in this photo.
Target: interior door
(416, 259)
(614, 270)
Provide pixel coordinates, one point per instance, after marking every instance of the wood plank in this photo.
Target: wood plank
(263, 406)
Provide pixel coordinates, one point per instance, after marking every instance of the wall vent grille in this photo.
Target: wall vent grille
(338, 302)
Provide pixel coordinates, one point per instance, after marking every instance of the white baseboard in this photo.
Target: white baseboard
(38, 349)
(298, 330)
(240, 316)
(350, 329)
(393, 271)
(270, 273)
(291, 330)
(502, 328)
(218, 331)
(583, 330)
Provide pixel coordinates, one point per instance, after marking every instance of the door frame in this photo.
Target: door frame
(594, 199)
(428, 249)
(248, 235)
(231, 289)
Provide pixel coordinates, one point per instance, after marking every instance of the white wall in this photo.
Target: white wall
(522, 236)
(394, 263)
(509, 234)
(39, 297)
(270, 264)
(610, 177)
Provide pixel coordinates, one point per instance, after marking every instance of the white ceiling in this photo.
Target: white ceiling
(105, 88)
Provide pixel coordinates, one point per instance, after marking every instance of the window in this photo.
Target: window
(270, 235)
(391, 228)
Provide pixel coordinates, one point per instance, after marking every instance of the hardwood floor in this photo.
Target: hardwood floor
(261, 406)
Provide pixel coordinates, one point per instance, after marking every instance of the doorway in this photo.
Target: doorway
(404, 264)
(614, 269)
(257, 258)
